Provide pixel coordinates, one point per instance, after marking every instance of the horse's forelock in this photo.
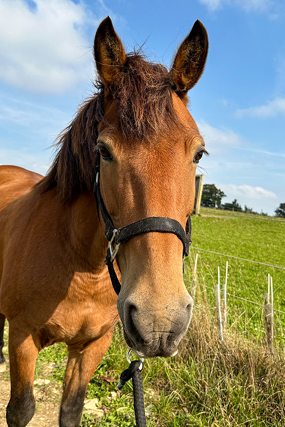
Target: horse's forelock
(143, 95)
(144, 107)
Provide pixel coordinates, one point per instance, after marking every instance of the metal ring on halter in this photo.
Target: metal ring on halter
(129, 358)
(114, 252)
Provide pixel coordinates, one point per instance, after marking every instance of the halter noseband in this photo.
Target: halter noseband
(146, 225)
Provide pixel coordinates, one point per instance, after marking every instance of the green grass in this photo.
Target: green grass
(255, 238)
(240, 215)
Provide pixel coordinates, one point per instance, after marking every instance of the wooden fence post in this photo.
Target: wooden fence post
(268, 315)
(225, 307)
(218, 305)
(199, 179)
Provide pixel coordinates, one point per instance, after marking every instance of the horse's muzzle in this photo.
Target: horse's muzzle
(156, 332)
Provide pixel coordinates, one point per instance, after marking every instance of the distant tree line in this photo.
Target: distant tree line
(280, 211)
(212, 198)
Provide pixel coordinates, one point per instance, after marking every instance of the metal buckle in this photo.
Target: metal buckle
(114, 252)
(136, 354)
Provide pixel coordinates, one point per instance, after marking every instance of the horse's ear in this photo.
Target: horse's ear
(109, 52)
(190, 59)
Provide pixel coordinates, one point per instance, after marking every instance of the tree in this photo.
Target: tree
(234, 206)
(280, 211)
(247, 209)
(212, 196)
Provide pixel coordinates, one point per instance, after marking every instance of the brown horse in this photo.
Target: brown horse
(54, 284)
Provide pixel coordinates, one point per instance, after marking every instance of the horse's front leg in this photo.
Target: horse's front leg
(2, 358)
(22, 353)
(80, 368)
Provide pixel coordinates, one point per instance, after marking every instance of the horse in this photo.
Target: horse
(136, 145)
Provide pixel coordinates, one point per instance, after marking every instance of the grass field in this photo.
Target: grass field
(246, 236)
(209, 383)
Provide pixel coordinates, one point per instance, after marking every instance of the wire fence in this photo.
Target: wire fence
(246, 300)
(242, 259)
(221, 295)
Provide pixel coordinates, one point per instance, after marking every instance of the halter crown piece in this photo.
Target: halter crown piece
(118, 236)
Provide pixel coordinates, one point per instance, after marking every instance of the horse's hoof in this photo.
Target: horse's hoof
(2, 367)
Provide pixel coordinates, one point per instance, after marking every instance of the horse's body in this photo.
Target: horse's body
(59, 291)
(54, 285)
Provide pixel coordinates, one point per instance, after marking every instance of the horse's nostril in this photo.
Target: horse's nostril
(132, 312)
(189, 308)
(132, 324)
(132, 309)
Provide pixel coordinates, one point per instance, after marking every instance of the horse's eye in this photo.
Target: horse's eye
(198, 156)
(104, 153)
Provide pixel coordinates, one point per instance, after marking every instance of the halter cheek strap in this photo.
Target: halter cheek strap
(118, 236)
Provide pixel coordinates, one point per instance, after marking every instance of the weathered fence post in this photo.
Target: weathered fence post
(225, 307)
(218, 305)
(268, 315)
(199, 179)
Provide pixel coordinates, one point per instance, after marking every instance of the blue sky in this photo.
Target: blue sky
(46, 71)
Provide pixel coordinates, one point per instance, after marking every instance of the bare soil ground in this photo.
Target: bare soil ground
(47, 394)
(47, 398)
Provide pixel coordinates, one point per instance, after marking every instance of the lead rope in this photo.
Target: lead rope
(134, 372)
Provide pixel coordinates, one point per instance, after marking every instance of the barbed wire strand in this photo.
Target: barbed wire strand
(242, 259)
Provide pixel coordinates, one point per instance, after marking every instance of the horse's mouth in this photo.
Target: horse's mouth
(142, 356)
(154, 348)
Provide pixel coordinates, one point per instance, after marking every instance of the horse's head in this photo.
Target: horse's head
(150, 146)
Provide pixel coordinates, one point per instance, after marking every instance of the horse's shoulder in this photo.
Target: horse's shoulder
(15, 182)
(9, 174)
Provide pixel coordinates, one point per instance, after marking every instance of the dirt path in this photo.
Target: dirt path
(48, 396)
(47, 393)
(47, 399)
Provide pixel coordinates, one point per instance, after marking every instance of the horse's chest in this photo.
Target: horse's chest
(80, 319)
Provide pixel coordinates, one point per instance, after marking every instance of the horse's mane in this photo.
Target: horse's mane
(144, 106)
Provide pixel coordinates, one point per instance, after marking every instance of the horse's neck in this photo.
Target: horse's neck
(86, 234)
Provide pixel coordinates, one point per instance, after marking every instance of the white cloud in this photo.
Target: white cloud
(271, 109)
(44, 49)
(242, 171)
(35, 162)
(212, 5)
(247, 5)
(265, 152)
(28, 114)
(216, 139)
(248, 191)
(255, 5)
(29, 128)
(257, 198)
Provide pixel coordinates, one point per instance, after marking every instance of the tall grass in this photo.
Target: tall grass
(235, 382)
(209, 383)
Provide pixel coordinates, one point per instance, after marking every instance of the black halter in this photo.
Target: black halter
(146, 225)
